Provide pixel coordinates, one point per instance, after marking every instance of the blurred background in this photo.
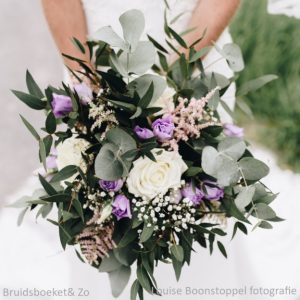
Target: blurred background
(26, 44)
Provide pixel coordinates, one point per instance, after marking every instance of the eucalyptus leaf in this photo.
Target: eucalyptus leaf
(255, 84)
(32, 86)
(109, 264)
(253, 169)
(146, 233)
(233, 147)
(263, 211)
(140, 60)
(30, 100)
(30, 128)
(233, 54)
(178, 252)
(245, 197)
(119, 279)
(133, 24)
(109, 36)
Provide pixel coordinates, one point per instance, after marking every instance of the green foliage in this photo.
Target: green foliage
(270, 44)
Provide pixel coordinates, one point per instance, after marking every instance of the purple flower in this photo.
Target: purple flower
(193, 194)
(111, 186)
(163, 128)
(51, 159)
(121, 207)
(233, 130)
(61, 105)
(84, 92)
(143, 133)
(212, 191)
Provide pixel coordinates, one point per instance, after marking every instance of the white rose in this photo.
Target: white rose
(148, 178)
(69, 153)
(165, 101)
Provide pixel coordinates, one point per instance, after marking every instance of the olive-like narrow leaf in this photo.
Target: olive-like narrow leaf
(30, 100)
(30, 128)
(32, 86)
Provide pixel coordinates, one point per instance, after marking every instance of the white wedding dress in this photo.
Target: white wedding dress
(265, 259)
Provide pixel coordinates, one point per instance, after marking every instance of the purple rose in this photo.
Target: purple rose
(111, 186)
(163, 128)
(233, 130)
(84, 92)
(193, 194)
(121, 207)
(212, 191)
(61, 105)
(143, 133)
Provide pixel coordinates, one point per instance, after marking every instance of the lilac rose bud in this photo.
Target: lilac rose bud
(163, 128)
(84, 92)
(121, 207)
(111, 186)
(143, 133)
(212, 191)
(193, 194)
(233, 130)
(61, 105)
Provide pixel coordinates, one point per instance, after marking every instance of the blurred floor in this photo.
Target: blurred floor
(25, 44)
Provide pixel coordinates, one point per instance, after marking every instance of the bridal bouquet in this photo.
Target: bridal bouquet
(136, 160)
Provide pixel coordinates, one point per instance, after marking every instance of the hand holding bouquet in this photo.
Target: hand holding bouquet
(138, 163)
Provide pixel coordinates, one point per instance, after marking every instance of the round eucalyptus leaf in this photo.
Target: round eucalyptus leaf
(133, 25)
(121, 139)
(245, 197)
(108, 35)
(263, 211)
(107, 164)
(142, 84)
(233, 147)
(253, 169)
(140, 60)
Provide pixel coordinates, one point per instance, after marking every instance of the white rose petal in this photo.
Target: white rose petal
(149, 179)
(70, 153)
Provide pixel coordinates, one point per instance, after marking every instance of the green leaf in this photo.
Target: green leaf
(133, 24)
(122, 139)
(142, 84)
(157, 45)
(263, 211)
(200, 54)
(78, 45)
(241, 227)
(51, 123)
(146, 99)
(139, 61)
(137, 113)
(109, 264)
(128, 237)
(233, 210)
(233, 147)
(78, 207)
(245, 197)
(134, 290)
(265, 225)
(64, 235)
(107, 165)
(143, 278)
(222, 248)
(30, 100)
(45, 210)
(178, 38)
(146, 233)
(64, 173)
(32, 86)
(47, 186)
(177, 266)
(255, 84)
(233, 54)
(178, 252)
(193, 171)
(253, 169)
(43, 153)
(57, 198)
(30, 128)
(108, 35)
